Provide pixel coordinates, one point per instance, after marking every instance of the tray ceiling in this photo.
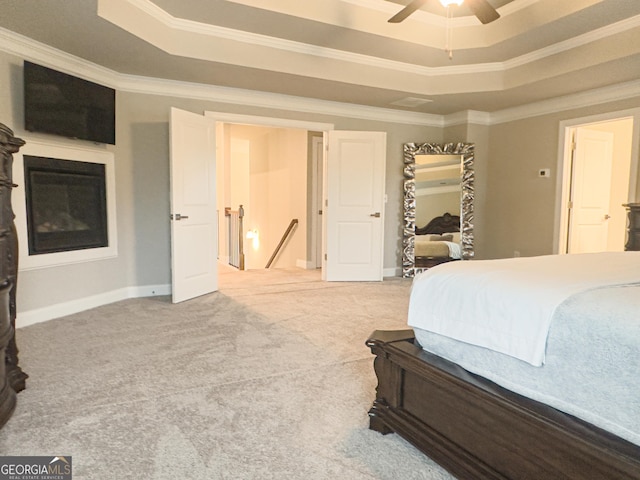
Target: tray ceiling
(346, 51)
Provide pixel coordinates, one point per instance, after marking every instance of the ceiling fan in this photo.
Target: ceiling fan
(480, 8)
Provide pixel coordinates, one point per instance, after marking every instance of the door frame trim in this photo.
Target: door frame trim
(565, 136)
(316, 196)
(275, 122)
(268, 121)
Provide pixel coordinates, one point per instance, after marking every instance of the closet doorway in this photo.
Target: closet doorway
(598, 175)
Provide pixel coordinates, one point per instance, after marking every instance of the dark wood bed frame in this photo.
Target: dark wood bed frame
(443, 224)
(479, 430)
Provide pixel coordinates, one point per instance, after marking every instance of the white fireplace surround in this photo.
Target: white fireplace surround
(48, 149)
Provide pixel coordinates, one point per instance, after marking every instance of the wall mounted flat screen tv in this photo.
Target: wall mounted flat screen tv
(61, 104)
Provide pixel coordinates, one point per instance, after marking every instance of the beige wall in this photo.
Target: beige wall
(142, 191)
(521, 209)
(514, 209)
(479, 136)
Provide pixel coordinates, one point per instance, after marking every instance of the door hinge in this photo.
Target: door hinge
(570, 204)
(325, 256)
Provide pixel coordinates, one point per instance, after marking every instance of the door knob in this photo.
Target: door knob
(377, 215)
(607, 216)
(177, 216)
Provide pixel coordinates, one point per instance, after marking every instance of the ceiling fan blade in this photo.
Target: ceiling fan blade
(483, 10)
(406, 11)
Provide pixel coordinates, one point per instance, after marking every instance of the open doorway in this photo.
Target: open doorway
(269, 166)
(598, 175)
(267, 173)
(355, 159)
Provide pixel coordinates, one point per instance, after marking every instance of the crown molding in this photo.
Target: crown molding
(28, 49)
(31, 50)
(237, 96)
(573, 43)
(515, 6)
(598, 96)
(466, 117)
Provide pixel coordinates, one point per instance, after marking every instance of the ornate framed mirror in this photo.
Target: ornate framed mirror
(437, 178)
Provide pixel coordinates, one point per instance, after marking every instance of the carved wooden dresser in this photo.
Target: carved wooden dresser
(12, 378)
(633, 226)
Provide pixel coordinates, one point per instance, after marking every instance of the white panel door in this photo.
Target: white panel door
(355, 206)
(589, 219)
(194, 233)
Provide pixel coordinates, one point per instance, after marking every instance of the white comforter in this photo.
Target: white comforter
(425, 246)
(507, 305)
(454, 250)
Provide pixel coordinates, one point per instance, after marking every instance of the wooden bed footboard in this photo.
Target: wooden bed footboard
(479, 430)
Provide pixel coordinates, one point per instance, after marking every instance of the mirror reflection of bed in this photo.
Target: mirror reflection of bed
(438, 241)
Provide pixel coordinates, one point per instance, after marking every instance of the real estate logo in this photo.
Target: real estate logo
(35, 468)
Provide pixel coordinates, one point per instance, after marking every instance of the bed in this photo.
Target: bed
(438, 241)
(563, 403)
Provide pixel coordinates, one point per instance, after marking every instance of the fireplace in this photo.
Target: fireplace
(66, 205)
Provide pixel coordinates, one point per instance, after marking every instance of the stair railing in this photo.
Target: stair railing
(290, 228)
(236, 236)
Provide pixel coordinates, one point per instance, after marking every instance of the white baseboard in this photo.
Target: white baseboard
(307, 265)
(392, 272)
(39, 315)
(31, 317)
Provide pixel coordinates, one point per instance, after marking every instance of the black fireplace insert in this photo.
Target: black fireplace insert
(66, 205)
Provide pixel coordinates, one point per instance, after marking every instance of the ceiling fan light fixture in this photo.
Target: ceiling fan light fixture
(446, 3)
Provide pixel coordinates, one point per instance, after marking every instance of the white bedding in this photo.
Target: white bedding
(454, 250)
(507, 305)
(428, 246)
(592, 360)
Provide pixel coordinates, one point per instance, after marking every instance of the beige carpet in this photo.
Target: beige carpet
(269, 378)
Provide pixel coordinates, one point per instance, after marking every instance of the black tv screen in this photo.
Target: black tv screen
(61, 104)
